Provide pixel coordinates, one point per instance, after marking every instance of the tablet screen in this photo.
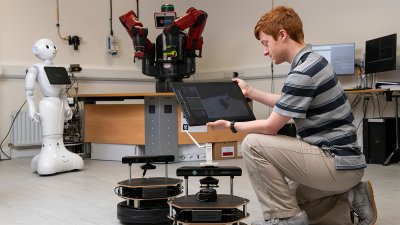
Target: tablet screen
(57, 75)
(204, 102)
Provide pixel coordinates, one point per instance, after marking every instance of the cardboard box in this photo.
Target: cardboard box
(227, 150)
(191, 153)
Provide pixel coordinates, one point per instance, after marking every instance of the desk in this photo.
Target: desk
(367, 91)
(155, 124)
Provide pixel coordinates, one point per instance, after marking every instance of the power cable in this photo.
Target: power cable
(111, 27)
(8, 133)
(137, 9)
(58, 22)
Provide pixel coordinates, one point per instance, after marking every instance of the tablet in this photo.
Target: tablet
(204, 102)
(57, 75)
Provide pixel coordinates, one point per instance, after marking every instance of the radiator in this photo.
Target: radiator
(25, 132)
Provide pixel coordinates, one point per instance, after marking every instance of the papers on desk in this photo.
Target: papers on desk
(390, 87)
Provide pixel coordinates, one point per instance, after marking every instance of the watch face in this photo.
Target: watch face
(233, 127)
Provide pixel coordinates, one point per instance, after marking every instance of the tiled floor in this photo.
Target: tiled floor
(87, 197)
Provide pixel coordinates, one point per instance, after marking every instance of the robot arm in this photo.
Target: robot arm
(67, 110)
(138, 34)
(30, 81)
(195, 20)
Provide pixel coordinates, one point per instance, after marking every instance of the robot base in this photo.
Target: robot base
(146, 198)
(189, 210)
(55, 158)
(143, 216)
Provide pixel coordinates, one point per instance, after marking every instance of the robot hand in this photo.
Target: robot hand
(68, 114)
(35, 116)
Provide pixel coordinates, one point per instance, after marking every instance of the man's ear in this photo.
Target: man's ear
(283, 34)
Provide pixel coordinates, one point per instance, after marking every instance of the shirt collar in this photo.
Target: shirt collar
(296, 59)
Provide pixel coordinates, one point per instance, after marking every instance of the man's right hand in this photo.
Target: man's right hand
(243, 86)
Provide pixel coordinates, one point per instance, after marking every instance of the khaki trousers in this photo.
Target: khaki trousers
(289, 175)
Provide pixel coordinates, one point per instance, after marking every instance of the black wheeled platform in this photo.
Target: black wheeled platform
(189, 210)
(146, 198)
(225, 209)
(150, 214)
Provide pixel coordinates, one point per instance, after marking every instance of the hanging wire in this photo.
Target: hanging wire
(8, 133)
(58, 22)
(111, 27)
(137, 9)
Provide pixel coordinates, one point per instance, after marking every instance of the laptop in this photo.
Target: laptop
(57, 75)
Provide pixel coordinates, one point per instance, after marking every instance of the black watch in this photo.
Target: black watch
(232, 126)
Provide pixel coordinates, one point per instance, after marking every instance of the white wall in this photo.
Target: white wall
(229, 43)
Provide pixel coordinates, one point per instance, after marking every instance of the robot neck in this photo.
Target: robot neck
(47, 62)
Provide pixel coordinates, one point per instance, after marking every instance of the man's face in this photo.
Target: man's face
(272, 48)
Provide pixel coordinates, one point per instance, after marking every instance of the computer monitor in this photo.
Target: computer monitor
(340, 56)
(380, 54)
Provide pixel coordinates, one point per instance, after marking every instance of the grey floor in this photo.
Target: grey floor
(87, 197)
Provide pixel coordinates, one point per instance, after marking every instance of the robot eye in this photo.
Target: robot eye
(47, 46)
(55, 47)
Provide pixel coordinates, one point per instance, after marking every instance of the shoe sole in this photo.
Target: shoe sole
(371, 199)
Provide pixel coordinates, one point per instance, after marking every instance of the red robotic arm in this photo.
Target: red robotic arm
(195, 20)
(138, 34)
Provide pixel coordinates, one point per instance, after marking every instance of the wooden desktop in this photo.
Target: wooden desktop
(133, 124)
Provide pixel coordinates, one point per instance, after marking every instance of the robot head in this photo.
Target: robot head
(44, 49)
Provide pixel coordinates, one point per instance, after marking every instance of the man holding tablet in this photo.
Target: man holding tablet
(316, 177)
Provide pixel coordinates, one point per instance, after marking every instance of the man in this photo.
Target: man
(315, 178)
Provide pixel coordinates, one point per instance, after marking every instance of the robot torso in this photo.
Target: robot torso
(48, 90)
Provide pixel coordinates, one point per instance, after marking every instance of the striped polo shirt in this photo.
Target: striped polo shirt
(313, 97)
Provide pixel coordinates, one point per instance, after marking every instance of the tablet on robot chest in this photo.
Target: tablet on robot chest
(204, 102)
(57, 75)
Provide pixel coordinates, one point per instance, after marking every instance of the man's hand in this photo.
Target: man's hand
(219, 125)
(243, 86)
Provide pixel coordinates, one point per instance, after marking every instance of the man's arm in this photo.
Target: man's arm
(265, 98)
(269, 126)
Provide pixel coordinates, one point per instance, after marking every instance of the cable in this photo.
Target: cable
(272, 89)
(137, 9)
(111, 28)
(365, 107)
(58, 22)
(12, 123)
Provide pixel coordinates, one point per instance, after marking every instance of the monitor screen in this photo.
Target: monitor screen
(340, 56)
(164, 19)
(380, 54)
(204, 102)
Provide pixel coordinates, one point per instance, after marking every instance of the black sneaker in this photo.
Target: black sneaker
(363, 205)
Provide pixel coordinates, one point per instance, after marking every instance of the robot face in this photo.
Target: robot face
(44, 49)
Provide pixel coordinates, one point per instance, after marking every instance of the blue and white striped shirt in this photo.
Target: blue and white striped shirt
(313, 97)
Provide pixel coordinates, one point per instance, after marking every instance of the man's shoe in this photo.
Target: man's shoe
(363, 204)
(299, 219)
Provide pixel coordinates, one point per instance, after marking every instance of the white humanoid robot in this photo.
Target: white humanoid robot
(53, 111)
